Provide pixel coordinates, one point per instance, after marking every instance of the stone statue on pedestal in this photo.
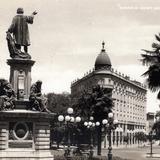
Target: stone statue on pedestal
(24, 134)
(19, 29)
(37, 100)
(7, 95)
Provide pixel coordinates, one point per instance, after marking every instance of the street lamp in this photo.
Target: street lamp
(111, 124)
(68, 119)
(70, 110)
(78, 119)
(151, 134)
(60, 118)
(90, 125)
(97, 124)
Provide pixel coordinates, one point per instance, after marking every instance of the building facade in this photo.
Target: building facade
(129, 97)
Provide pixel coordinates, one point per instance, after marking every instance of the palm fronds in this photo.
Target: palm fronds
(157, 37)
(149, 59)
(152, 59)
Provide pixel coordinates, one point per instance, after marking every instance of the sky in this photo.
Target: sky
(66, 38)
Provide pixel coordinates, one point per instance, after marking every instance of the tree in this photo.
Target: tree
(58, 103)
(103, 104)
(140, 137)
(83, 106)
(156, 125)
(97, 103)
(152, 60)
(126, 139)
(57, 134)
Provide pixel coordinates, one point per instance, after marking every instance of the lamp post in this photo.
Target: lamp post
(90, 125)
(111, 124)
(151, 142)
(68, 119)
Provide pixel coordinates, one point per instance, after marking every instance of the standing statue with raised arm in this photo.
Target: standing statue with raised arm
(19, 29)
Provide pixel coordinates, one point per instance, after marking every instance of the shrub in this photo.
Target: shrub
(59, 157)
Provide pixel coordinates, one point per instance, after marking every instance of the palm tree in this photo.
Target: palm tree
(152, 60)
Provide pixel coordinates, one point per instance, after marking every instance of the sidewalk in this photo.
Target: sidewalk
(154, 155)
(135, 153)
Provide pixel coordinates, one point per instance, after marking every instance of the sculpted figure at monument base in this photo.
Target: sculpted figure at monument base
(14, 52)
(7, 95)
(37, 100)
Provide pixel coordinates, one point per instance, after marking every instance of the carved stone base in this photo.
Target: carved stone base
(22, 104)
(25, 135)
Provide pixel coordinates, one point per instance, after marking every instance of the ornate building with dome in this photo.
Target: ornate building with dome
(129, 98)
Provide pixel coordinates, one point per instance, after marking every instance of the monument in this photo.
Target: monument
(24, 117)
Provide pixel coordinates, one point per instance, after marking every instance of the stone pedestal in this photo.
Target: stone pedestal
(20, 77)
(25, 135)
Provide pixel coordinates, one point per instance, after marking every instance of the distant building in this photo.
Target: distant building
(129, 95)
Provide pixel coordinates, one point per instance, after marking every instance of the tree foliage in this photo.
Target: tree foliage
(58, 103)
(103, 103)
(96, 103)
(57, 134)
(126, 139)
(140, 136)
(156, 128)
(152, 60)
(156, 125)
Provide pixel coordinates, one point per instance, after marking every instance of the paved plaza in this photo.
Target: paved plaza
(129, 153)
(136, 153)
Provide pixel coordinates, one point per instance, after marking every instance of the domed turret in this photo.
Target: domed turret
(103, 60)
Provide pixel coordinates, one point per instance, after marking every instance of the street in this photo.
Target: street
(141, 153)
